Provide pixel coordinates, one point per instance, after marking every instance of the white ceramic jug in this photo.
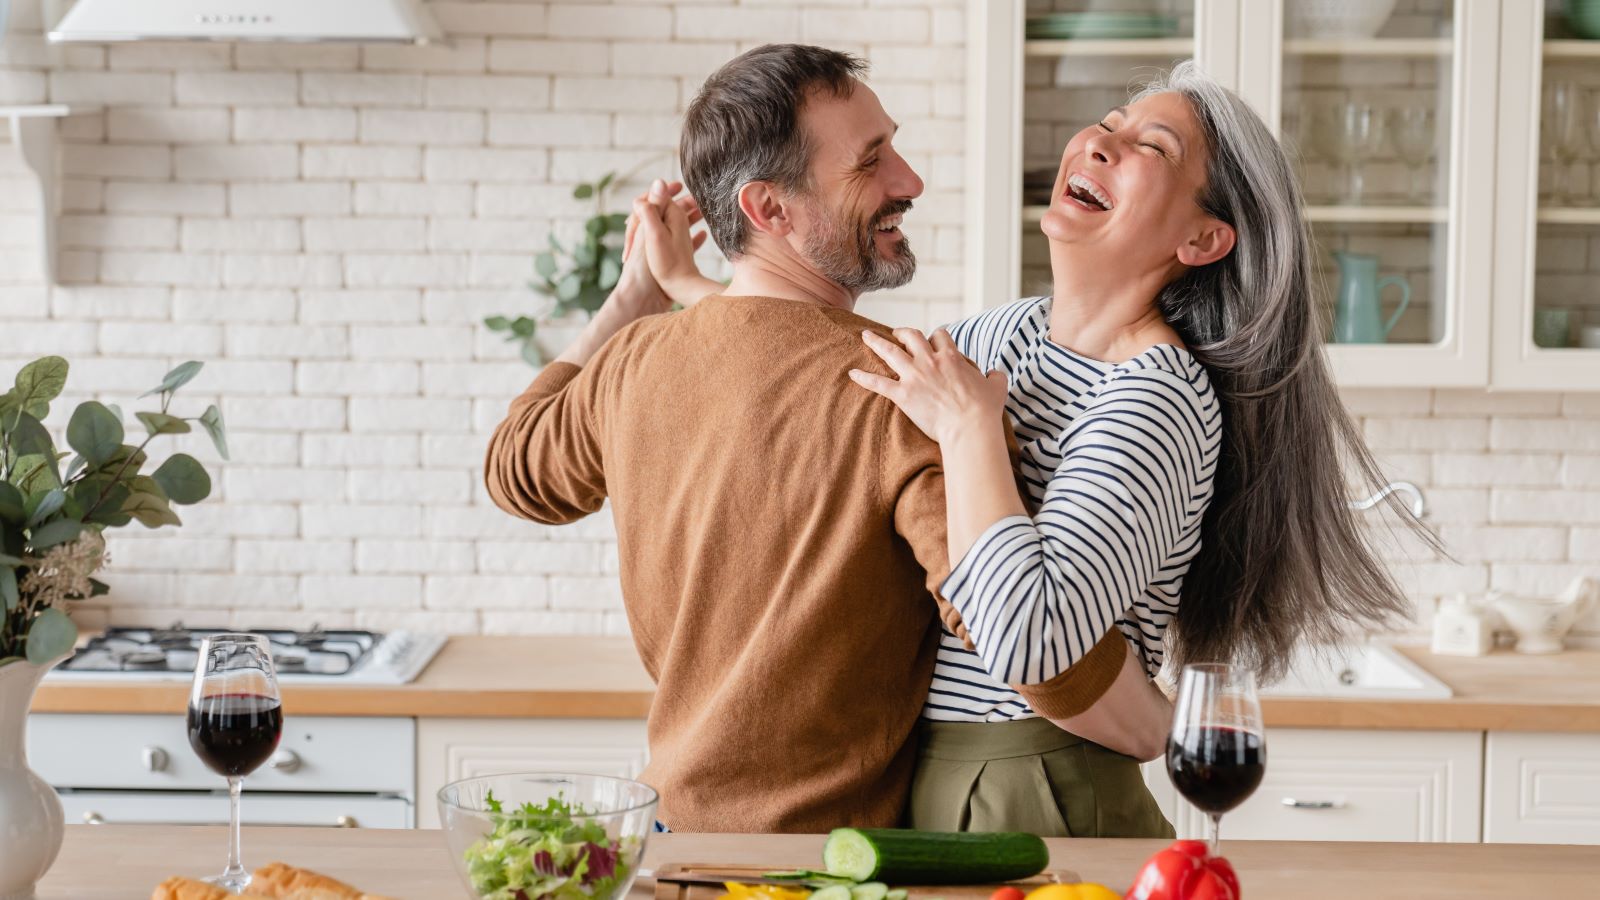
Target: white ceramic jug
(30, 811)
(1540, 623)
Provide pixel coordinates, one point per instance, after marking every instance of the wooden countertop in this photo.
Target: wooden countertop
(123, 862)
(591, 677)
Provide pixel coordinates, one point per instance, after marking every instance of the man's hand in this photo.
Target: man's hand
(636, 295)
(669, 242)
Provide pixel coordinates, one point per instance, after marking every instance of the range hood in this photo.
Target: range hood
(385, 21)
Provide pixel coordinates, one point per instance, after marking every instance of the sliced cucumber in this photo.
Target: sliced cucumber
(872, 890)
(895, 894)
(810, 875)
(831, 892)
(933, 857)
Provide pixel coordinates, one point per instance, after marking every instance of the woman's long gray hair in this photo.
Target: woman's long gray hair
(1283, 559)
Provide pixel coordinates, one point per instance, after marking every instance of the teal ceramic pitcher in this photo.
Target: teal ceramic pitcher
(1358, 313)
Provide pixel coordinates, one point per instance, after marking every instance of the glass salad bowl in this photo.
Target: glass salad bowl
(540, 836)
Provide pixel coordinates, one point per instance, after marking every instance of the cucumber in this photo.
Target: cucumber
(872, 890)
(831, 892)
(896, 894)
(904, 856)
(809, 875)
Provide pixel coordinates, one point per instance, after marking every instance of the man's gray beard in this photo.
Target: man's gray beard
(848, 255)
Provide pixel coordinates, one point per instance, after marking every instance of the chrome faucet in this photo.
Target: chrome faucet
(1419, 507)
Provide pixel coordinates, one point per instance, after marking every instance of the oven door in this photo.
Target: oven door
(257, 808)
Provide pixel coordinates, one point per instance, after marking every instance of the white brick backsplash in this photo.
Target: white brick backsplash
(111, 88)
(1497, 469)
(396, 450)
(285, 413)
(488, 92)
(1581, 405)
(244, 592)
(164, 55)
(188, 199)
(166, 125)
(644, 94)
(571, 129)
(141, 591)
(249, 376)
(410, 342)
(568, 20)
(1544, 434)
(91, 302)
(537, 558)
(434, 127)
(232, 162)
(1535, 506)
(1495, 403)
(124, 161)
(382, 199)
(408, 414)
(391, 485)
(418, 557)
(233, 306)
(243, 519)
(237, 88)
(335, 161)
(1411, 434)
(361, 591)
(736, 23)
(170, 551)
(404, 270)
(293, 123)
(491, 19)
(646, 129)
(485, 592)
(908, 26)
(365, 234)
(485, 164)
(281, 270)
(339, 379)
(293, 557)
(343, 89)
(459, 54)
(278, 57)
(1585, 545)
(150, 339)
(1537, 580)
(360, 520)
(693, 61)
(287, 341)
(565, 57)
(484, 235)
(365, 306)
(281, 235)
(307, 199)
(455, 451)
(120, 231)
(590, 593)
(1485, 543)
(507, 622)
(283, 485)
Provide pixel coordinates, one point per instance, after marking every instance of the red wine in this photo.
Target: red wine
(1216, 768)
(235, 733)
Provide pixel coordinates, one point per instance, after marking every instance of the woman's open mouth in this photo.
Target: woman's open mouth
(1088, 194)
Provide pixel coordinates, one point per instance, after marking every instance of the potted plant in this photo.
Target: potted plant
(54, 506)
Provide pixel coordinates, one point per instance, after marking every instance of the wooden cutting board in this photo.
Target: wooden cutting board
(665, 891)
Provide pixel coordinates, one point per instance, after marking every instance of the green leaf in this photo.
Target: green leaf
(30, 437)
(95, 432)
(184, 479)
(595, 228)
(618, 222)
(161, 423)
(531, 354)
(497, 323)
(115, 410)
(46, 505)
(50, 637)
(58, 532)
(8, 587)
(211, 421)
(109, 512)
(545, 265)
(12, 508)
(584, 256)
(127, 453)
(583, 192)
(555, 245)
(591, 298)
(6, 560)
(569, 287)
(181, 374)
(38, 383)
(605, 181)
(78, 465)
(150, 510)
(524, 327)
(98, 588)
(144, 484)
(610, 271)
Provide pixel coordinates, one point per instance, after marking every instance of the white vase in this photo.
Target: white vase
(30, 811)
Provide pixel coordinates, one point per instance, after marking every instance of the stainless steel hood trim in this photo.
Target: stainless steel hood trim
(290, 21)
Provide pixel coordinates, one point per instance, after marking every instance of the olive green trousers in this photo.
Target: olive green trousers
(1028, 775)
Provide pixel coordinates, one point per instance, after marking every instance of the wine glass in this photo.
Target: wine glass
(1217, 752)
(1411, 130)
(235, 720)
(1591, 126)
(1350, 133)
(1563, 133)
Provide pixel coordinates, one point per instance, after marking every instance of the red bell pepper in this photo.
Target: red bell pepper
(1185, 871)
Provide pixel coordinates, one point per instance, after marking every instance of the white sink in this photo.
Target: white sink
(1358, 672)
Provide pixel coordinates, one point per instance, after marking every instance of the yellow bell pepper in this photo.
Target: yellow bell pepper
(1087, 890)
(740, 891)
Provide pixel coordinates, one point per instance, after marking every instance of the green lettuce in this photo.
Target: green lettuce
(547, 852)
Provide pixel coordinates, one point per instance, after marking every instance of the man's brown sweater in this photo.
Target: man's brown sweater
(782, 538)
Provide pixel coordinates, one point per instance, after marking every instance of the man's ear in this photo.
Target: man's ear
(764, 209)
(1210, 245)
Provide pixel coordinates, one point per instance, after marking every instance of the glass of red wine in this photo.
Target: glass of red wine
(235, 720)
(1217, 752)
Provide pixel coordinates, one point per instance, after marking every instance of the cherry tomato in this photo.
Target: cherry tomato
(1007, 893)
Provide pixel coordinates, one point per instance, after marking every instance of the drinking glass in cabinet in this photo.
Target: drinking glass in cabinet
(1411, 130)
(1564, 136)
(1591, 130)
(1350, 134)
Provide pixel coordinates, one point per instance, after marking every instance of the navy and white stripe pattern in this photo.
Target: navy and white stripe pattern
(1117, 461)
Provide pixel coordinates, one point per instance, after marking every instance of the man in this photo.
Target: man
(782, 532)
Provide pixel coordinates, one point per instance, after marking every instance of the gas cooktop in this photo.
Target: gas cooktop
(300, 657)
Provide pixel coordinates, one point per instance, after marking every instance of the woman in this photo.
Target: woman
(1173, 366)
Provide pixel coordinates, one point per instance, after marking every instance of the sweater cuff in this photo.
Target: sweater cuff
(552, 378)
(1086, 681)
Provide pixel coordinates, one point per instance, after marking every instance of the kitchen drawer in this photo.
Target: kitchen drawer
(1542, 788)
(137, 807)
(1358, 786)
(87, 750)
(451, 749)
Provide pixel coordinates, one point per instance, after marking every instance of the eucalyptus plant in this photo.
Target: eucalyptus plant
(52, 516)
(580, 277)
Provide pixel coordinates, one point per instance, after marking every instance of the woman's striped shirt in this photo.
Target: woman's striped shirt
(1117, 463)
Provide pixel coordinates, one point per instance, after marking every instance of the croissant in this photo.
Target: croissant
(286, 882)
(179, 888)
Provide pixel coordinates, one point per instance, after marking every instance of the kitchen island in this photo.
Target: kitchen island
(111, 862)
(601, 678)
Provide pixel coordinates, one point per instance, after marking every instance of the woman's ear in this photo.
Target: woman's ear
(764, 209)
(1210, 245)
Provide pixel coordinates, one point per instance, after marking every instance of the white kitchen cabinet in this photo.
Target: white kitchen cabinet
(451, 749)
(1485, 261)
(1542, 789)
(1351, 785)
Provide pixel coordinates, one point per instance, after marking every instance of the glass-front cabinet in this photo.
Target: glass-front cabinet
(1449, 153)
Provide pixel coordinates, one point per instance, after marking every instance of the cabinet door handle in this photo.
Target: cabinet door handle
(347, 822)
(1292, 803)
(93, 818)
